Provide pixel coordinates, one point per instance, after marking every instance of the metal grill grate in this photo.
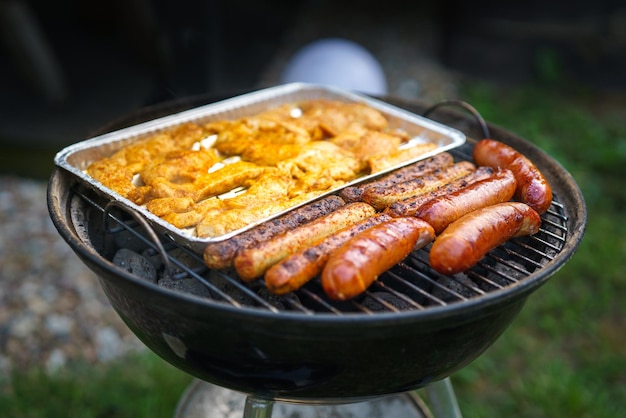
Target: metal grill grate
(410, 285)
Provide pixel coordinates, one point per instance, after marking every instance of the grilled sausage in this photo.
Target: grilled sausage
(444, 210)
(532, 187)
(294, 271)
(418, 169)
(467, 240)
(254, 261)
(358, 263)
(409, 206)
(219, 255)
(382, 196)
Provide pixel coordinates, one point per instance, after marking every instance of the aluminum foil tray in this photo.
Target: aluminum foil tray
(77, 157)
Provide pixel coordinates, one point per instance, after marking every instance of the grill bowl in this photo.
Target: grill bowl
(321, 357)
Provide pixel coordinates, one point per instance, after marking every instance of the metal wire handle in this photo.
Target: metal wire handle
(466, 106)
(144, 224)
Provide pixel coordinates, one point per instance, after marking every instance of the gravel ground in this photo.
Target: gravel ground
(52, 309)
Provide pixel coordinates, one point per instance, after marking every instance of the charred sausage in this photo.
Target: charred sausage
(442, 211)
(358, 263)
(382, 196)
(220, 255)
(532, 187)
(254, 261)
(466, 241)
(409, 206)
(297, 269)
(420, 168)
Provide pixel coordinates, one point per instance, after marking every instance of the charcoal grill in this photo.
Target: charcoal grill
(411, 329)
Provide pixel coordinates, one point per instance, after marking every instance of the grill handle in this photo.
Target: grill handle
(144, 224)
(460, 103)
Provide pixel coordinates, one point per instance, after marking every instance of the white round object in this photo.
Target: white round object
(337, 62)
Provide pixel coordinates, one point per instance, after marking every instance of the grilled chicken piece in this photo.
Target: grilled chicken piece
(365, 144)
(182, 166)
(386, 160)
(202, 187)
(114, 175)
(319, 166)
(335, 117)
(269, 187)
(166, 205)
(231, 220)
(237, 137)
(118, 170)
(199, 211)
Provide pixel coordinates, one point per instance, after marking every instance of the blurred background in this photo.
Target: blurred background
(69, 67)
(553, 72)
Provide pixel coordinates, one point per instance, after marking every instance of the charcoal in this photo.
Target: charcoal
(135, 264)
(229, 287)
(188, 285)
(188, 260)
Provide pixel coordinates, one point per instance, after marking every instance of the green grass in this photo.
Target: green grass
(565, 355)
(141, 385)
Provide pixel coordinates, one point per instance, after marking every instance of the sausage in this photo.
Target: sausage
(532, 187)
(467, 240)
(219, 255)
(382, 196)
(254, 261)
(294, 271)
(420, 168)
(409, 206)
(358, 263)
(444, 210)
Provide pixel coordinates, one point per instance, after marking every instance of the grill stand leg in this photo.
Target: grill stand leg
(442, 399)
(257, 408)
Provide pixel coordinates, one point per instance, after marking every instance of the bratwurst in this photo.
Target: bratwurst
(357, 264)
(466, 241)
(252, 262)
(401, 175)
(410, 206)
(532, 187)
(382, 196)
(219, 255)
(442, 211)
(294, 271)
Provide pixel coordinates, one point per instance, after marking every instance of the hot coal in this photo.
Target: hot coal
(188, 285)
(135, 264)
(190, 262)
(228, 286)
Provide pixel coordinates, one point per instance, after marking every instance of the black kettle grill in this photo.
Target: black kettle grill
(412, 328)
